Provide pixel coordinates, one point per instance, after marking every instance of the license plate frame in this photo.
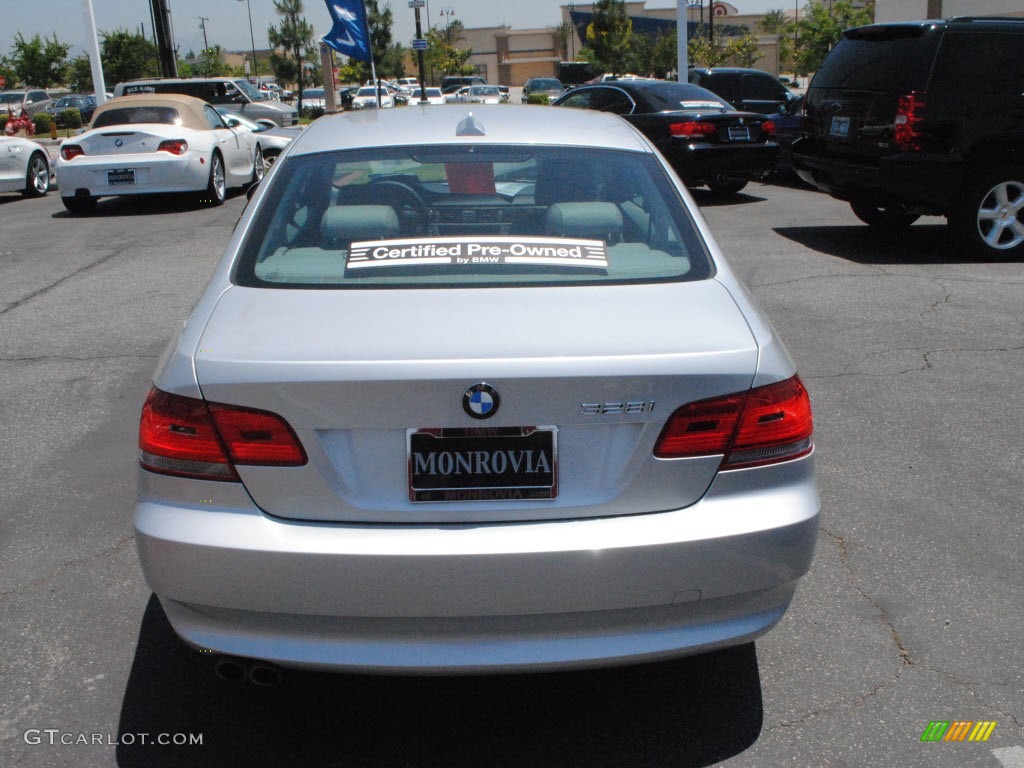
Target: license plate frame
(839, 127)
(120, 177)
(738, 133)
(455, 464)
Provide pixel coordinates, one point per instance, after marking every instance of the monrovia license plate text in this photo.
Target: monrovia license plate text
(482, 464)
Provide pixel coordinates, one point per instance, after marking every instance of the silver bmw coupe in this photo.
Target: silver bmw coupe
(473, 389)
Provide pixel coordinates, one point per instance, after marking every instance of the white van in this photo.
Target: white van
(234, 92)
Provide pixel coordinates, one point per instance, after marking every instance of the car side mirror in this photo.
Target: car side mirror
(233, 122)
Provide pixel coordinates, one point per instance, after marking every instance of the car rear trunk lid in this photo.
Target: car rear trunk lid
(358, 373)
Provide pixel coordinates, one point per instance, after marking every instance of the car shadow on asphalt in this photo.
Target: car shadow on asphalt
(695, 711)
(705, 199)
(145, 205)
(921, 244)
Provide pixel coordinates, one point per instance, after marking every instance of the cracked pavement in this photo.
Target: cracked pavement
(912, 611)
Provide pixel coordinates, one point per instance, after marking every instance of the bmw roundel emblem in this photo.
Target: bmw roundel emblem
(481, 401)
(118, 143)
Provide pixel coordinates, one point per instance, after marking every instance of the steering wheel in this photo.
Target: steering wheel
(412, 211)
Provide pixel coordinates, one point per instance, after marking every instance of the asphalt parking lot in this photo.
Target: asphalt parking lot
(912, 612)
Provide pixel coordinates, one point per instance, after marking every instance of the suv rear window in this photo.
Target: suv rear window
(886, 59)
(425, 217)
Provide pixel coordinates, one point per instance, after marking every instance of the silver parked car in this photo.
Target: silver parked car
(272, 139)
(474, 391)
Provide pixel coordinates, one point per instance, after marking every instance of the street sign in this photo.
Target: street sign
(419, 44)
(417, 3)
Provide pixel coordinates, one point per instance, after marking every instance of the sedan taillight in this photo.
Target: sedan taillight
(188, 437)
(69, 151)
(692, 129)
(763, 426)
(174, 146)
(768, 129)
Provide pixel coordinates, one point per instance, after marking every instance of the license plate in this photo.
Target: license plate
(483, 464)
(840, 127)
(739, 133)
(125, 176)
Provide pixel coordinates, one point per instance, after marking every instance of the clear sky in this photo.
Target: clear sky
(228, 20)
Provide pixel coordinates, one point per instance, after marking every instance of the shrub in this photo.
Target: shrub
(42, 121)
(538, 98)
(312, 113)
(69, 118)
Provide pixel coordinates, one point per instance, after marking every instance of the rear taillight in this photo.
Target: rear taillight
(907, 131)
(174, 146)
(763, 426)
(768, 129)
(69, 151)
(692, 129)
(192, 438)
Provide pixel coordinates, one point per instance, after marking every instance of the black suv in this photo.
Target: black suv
(924, 118)
(752, 90)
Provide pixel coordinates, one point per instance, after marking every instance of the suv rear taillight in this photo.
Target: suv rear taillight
(907, 132)
(192, 438)
(763, 426)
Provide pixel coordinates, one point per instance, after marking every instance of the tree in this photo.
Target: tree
(775, 22)
(443, 56)
(39, 62)
(562, 32)
(128, 56)
(821, 28)
(666, 55)
(80, 74)
(294, 35)
(744, 51)
(705, 53)
(609, 36)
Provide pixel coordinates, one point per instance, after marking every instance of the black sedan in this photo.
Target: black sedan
(85, 105)
(705, 139)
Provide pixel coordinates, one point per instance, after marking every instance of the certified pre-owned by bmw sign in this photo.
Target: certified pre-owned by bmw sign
(560, 434)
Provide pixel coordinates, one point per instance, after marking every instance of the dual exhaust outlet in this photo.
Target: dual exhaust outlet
(235, 670)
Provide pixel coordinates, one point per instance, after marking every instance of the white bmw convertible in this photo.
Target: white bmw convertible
(153, 144)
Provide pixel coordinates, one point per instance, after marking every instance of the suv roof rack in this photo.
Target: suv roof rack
(986, 19)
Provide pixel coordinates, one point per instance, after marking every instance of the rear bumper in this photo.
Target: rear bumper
(447, 598)
(155, 173)
(699, 164)
(925, 183)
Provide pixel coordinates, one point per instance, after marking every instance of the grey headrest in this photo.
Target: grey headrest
(602, 221)
(343, 224)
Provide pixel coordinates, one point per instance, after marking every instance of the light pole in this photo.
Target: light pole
(448, 12)
(252, 39)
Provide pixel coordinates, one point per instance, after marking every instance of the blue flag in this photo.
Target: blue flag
(350, 34)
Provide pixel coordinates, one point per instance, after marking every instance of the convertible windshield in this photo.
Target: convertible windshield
(470, 215)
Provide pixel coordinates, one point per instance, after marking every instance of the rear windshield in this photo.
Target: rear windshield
(129, 115)
(886, 59)
(470, 216)
(669, 97)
